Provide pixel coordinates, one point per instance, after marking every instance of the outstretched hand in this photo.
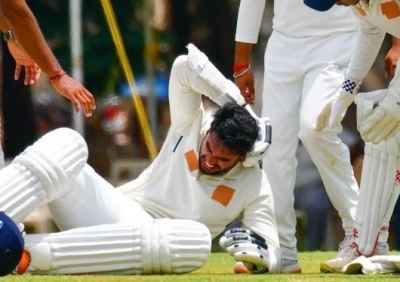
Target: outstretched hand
(245, 83)
(76, 93)
(23, 60)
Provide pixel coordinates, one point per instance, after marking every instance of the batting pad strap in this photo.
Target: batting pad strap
(174, 246)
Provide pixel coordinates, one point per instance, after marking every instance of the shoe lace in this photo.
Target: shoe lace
(346, 245)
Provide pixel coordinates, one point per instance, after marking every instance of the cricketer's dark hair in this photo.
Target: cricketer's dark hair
(235, 128)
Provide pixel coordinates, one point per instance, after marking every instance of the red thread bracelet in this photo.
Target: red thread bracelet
(237, 68)
(56, 77)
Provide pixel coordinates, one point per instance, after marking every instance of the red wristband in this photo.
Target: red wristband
(237, 68)
(56, 77)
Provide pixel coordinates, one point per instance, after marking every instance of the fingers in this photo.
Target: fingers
(32, 72)
(323, 118)
(17, 71)
(87, 102)
(85, 99)
(245, 83)
(370, 128)
(76, 93)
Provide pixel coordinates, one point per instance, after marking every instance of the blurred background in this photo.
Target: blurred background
(154, 33)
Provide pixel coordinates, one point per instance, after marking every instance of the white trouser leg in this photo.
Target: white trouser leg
(295, 91)
(41, 173)
(91, 201)
(161, 246)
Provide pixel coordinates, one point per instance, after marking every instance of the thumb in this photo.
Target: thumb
(323, 118)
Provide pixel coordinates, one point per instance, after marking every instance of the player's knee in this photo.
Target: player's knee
(174, 246)
(54, 159)
(308, 134)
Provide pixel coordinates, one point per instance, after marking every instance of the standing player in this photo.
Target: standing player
(204, 177)
(305, 60)
(378, 121)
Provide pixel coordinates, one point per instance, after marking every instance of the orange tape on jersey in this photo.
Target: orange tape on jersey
(192, 160)
(223, 194)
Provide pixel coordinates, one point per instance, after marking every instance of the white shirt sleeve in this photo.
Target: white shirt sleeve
(369, 41)
(249, 20)
(259, 214)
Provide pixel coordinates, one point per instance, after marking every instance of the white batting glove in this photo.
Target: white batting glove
(333, 113)
(366, 102)
(248, 247)
(384, 121)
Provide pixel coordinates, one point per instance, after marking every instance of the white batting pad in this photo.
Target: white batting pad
(41, 173)
(162, 246)
(379, 190)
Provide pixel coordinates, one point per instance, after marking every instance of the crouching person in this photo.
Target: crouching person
(205, 176)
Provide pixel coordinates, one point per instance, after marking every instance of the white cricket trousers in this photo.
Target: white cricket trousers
(301, 75)
(93, 201)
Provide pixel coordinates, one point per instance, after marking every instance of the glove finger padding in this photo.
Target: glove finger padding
(250, 248)
(365, 107)
(323, 117)
(251, 253)
(240, 235)
(384, 120)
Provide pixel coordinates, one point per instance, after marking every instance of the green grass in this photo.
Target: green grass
(219, 268)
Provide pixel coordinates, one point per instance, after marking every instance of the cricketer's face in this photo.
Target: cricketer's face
(347, 2)
(215, 157)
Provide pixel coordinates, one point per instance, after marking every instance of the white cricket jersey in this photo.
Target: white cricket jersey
(293, 18)
(376, 19)
(173, 187)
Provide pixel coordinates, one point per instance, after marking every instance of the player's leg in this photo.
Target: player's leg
(379, 190)
(379, 194)
(42, 172)
(161, 246)
(328, 152)
(93, 201)
(281, 103)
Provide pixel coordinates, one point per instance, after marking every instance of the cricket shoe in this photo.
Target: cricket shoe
(24, 263)
(288, 266)
(347, 255)
(246, 268)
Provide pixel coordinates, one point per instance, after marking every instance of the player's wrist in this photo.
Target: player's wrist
(53, 79)
(8, 35)
(239, 70)
(351, 86)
